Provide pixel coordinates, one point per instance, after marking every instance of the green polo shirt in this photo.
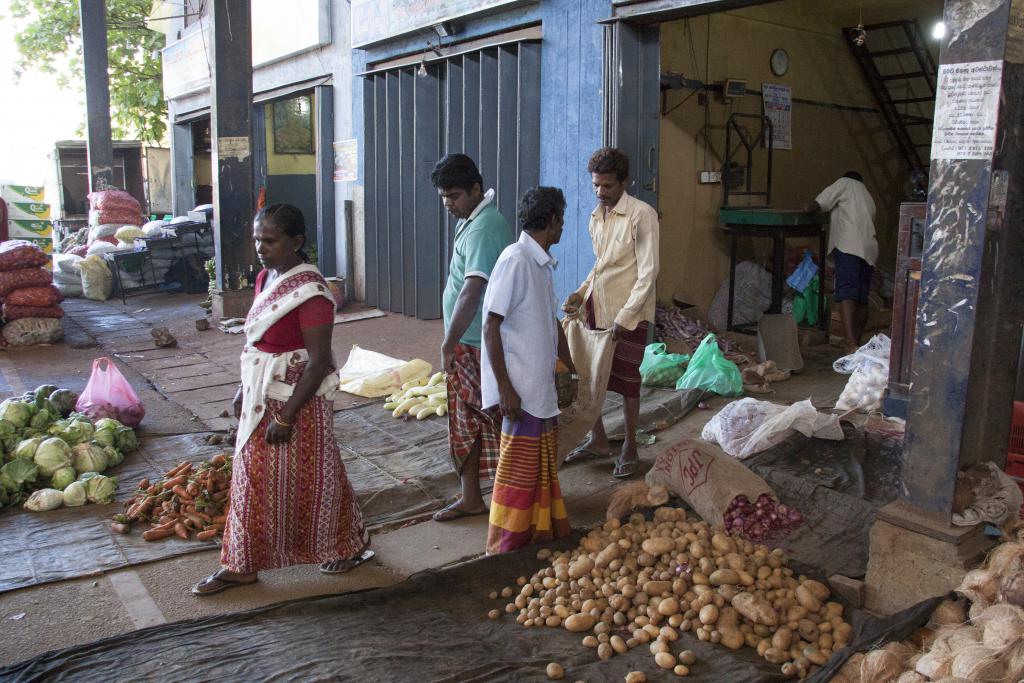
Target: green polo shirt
(479, 242)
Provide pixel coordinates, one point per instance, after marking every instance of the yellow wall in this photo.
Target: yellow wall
(287, 164)
(826, 142)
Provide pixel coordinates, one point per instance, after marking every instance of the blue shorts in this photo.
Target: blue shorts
(853, 277)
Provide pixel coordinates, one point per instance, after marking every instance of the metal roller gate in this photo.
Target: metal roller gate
(484, 103)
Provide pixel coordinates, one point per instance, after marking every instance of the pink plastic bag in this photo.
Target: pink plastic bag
(108, 394)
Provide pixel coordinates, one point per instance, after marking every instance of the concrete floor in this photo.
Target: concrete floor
(58, 615)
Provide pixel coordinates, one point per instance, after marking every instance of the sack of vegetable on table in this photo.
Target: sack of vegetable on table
(54, 456)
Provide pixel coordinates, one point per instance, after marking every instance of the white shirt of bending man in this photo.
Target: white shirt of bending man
(522, 291)
(852, 218)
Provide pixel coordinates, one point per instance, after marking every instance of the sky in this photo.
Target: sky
(34, 113)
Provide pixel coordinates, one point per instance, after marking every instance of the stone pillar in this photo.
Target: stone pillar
(969, 315)
(234, 201)
(97, 94)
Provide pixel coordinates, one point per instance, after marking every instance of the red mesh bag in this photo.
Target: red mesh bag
(15, 312)
(15, 254)
(113, 200)
(81, 250)
(11, 280)
(121, 216)
(46, 295)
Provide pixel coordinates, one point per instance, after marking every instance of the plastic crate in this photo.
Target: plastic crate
(1020, 485)
(1014, 465)
(1017, 429)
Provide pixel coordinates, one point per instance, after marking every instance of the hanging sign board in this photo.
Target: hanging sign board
(346, 160)
(376, 20)
(778, 107)
(966, 110)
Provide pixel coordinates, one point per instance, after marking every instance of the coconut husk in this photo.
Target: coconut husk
(903, 651)
(937, 661)
(911, 677)
(950, 613)
(851, 670)
(880, 666)
(1014, 664)
(979, 664)
(1011, 588)
(1003, 627)
(1005, 558)
(980, 586)
(637, 494)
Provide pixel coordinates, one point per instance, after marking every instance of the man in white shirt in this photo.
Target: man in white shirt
(854, 249)
(522, 342)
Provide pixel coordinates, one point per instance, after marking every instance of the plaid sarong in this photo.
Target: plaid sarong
(629, 354)
(527, 505)
(467, 421)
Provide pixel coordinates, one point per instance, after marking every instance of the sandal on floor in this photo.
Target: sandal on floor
(453, 512)
(217, 582)
(625, 470)
(582, 453)
(345, 566)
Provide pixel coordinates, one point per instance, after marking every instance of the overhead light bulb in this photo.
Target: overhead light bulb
(422, 71)
(939, 30)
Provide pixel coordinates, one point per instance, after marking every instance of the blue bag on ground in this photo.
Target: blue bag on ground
(660, 368)
(711, 371)
(804, 272)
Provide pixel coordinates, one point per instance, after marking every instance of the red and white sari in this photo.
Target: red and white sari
(291, 503)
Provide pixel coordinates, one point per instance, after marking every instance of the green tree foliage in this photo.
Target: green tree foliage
(50, 40)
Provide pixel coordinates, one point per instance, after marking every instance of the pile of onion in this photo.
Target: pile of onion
(760, 520)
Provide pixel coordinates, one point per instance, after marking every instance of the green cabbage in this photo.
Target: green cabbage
(51, 455)
(44, 500)
(75, 494)
(43, 419)
(15, 474)
(127, 441)
(63, 401)
(16, 412)
(88, 457)
(62, 477)
(105, 436)
(101, 489)
(9, 436)
(73, 430)
(114, 456)
(26, 448)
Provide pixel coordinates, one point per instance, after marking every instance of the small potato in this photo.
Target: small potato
(521, 581)
(590, 641)
(659, 645)
(543, 553)
(708, 614)
(775, 655)
(618, 644)
(665, 660)
(507, 592)
(493, 595)
(681, 670)
(636, 677)
(553, 621)
(555, 671)
(668, 633)
(605, 651)
(494, 614)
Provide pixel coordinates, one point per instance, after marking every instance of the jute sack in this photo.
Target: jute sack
(704, 477)
(591, 352)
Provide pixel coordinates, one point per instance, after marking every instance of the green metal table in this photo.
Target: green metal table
(777, 225)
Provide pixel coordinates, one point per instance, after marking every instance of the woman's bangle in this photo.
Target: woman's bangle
(283, 424)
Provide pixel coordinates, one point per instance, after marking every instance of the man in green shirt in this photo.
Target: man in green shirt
(481, 234)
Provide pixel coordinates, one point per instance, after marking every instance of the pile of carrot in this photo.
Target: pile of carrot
(189, 499)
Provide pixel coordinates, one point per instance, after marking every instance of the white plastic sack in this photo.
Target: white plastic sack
(372, 374)
(749, 426)
(60, 277)
(865, 389)
(65, 263)
(97, 282)
(97, 232)
(875, 352)
(32, 331)
(101, 247)
(70, 289)
(156, 230)
(180, 219)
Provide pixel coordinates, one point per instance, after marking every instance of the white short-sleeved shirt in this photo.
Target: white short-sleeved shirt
(852, 221)
(522, 291)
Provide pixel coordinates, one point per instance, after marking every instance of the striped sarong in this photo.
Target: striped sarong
(468, 423)
(629, 354)
(527, 505)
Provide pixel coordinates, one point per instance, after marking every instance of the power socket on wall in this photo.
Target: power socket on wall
(710, 177)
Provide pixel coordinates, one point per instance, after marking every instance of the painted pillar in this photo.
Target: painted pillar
(97, 94)
(969, 320)
(234, 201)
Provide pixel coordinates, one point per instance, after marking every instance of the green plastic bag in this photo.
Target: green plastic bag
(805, 304)
(660, 368)
(711, 371)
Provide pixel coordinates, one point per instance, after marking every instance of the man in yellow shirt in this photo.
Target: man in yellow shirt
(618, 294)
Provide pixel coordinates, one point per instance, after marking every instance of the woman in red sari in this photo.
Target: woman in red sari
(291, 502)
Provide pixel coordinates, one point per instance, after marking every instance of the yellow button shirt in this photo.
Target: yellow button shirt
(623, 277)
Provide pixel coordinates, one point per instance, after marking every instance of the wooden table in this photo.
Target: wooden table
(777, 225)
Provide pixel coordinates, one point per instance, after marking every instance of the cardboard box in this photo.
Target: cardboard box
(28, 211)
(22, 193)
(23, 229)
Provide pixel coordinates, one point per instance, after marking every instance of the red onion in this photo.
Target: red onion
(759, 520)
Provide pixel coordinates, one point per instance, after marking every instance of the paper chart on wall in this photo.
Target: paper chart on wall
(967, 110)
(778, 107)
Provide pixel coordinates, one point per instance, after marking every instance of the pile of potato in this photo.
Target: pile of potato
(644, 582)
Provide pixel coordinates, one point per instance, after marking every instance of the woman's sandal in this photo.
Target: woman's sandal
(218, 582)
(345, 566)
